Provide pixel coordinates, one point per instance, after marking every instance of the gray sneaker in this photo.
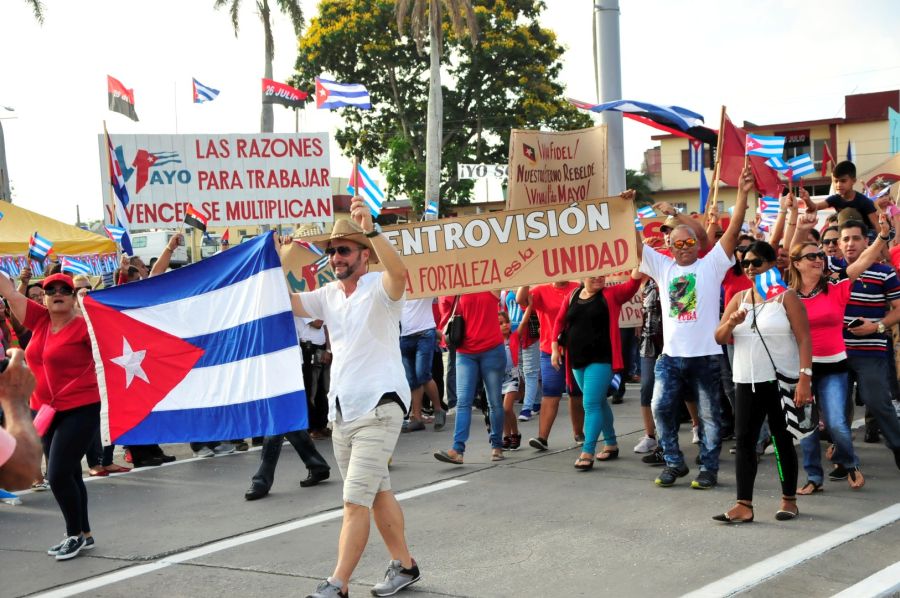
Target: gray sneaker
(396, 578)
(440, 420)
(204, 453)
(223, 448)
(327, 589)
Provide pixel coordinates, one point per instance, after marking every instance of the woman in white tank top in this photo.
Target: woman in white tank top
(767, 332)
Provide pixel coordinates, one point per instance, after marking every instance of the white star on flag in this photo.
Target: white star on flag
(131, 362)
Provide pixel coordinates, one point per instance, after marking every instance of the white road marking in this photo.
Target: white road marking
(883, 583)
(227, 544)
(772, 566)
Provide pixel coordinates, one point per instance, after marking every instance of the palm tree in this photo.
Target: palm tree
(462, 18)
(38, 8)
(289, 7)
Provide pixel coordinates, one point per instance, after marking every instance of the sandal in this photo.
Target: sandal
(726, 518)
(855, 478)
(810, 487)
(608, 454)
(449, 456)
(114, 468)
(497, 455)
(782, 515)
(98, 471)
(584, 464)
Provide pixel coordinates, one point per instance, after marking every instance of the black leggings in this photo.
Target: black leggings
(65, 443)
(750, 410)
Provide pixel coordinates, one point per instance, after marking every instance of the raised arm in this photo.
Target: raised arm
(873, 252)
(778, 230)
(729, 239)
(17, 301)
(694, 223)
(523, 296)
(162, 262)
(394, 280)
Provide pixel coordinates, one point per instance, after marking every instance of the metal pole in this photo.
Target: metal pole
(5, 193)
(606, 21)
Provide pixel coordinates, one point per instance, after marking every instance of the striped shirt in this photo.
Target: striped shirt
(871, 299)
(514, 310)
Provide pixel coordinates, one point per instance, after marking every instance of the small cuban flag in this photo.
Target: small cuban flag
(769, 206)
(646, 212)
(765, 146)
(203, 93)
(432, 208)
(74, 266)
(39, 247)
(769, 284)
(801, 166)
(638, 225)
(331, 94)
(362, 184)
(777, 163)
(115, 232)
(205, 351)
(320, 264)
(309, 246)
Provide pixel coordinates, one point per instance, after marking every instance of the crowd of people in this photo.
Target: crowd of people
(742, 329)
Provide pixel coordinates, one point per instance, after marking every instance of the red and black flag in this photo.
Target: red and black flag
(529, 152)
(121, 100)
(274, 92)
(195, 218)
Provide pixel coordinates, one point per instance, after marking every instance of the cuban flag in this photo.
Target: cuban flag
(39, 247)
(205, 351)
(311, 247)
(432, 208)
(778, 164)
(765, 146)
(115, 232)
(695, 149)
(320, 264)
(800, 166)
(769, 206)
(646, 212)
(74, 266)
(120, 201)
(770, 284)
(331, 94)
(638, 225)
(362, 184)
(203, 93)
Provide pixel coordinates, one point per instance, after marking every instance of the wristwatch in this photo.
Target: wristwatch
(807, 371)
(375, 231)
(881, 327)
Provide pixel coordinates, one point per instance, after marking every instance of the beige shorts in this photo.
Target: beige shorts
(362, 449)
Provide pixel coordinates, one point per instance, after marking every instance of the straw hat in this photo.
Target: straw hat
(670, 223)
(347, 230)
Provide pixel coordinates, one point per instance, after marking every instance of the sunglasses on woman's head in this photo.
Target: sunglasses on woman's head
(755, 262)
(64, 291)
(684, 243)
(342, 251)
(812, 256)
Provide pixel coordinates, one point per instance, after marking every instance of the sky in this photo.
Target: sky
(768, 61)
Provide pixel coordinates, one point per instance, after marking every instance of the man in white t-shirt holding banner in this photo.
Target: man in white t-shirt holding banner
(689, 289)
(369, 394)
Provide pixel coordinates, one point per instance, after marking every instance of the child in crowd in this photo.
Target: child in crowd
(512, 440)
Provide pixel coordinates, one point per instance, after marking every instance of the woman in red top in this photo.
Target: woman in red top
(60, 357)
(481, 356)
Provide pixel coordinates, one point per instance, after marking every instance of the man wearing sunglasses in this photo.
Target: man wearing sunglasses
(831, 242)
(369, 393)
(689, 291)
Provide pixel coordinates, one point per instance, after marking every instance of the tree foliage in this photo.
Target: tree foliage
(508, 80)
(640, 182)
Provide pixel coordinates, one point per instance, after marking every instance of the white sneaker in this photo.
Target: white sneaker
(696, 432)
(646, 445)
(204, 452)
(223, 448)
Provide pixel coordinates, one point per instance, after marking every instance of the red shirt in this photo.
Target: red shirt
(479, 310)
(547, 299)
(826, 318)
(734, 284)
(895, 257)
(62, 361)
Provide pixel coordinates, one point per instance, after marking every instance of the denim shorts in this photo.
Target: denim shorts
(417, 351)
(511, 381)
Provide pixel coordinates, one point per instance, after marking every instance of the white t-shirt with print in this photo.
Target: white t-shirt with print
(364, 329)
(690, 300)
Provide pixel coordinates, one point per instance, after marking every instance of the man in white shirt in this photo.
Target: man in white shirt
(369, 394)
(689, 289)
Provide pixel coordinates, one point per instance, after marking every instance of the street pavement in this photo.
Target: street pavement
(527, 526)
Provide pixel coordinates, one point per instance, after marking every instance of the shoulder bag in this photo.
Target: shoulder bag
(455, 329)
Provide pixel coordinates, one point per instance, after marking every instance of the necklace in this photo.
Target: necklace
(816, 290)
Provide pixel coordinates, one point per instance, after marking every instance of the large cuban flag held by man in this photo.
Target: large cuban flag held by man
(208, 351)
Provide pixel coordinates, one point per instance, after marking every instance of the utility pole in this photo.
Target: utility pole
(609, 76)
(5, 192)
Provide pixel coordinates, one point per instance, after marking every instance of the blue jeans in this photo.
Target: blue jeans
(676, 376)
(450, 378)
(647, 380)
(874, 387)
(598, 416)
(831, 394)
(491, 365)
(417, 351)
(531, 370)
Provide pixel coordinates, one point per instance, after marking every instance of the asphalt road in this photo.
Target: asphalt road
(527, 526)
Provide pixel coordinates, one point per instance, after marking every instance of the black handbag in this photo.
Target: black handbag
(455, 329)
(534, 326)
(562, 339)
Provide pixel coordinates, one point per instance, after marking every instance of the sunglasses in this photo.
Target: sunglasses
(342, 251)
(64, 291)
(743, 249)
(755, 262)
(830, 241)
(811, 257)
(684, 243)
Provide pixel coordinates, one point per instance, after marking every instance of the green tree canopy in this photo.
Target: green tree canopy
(508, 80)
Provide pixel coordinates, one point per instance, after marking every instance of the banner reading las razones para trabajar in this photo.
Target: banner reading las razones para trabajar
(501, 250)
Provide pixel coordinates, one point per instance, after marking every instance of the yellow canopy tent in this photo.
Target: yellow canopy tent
(18, 224)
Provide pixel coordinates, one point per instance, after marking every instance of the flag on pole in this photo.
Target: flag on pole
(769, 206)
(765, 146)
(770, 284)
(310, 246)
(801, 166)
(850, 151)
(120, 197)
(704, 191)
(432, 208)
(274, 92)
(225, 238)
(203, 93)
(195, 218)
(638, 224)
(671, 119)
(827, 158)
(74, 266)
(330, 94)
(115, 232)
(168, 347)
(362, 184)
(731, 161)
(777, 163)
(646, 212)
(695, 147)
(120, 98)
(39, 247)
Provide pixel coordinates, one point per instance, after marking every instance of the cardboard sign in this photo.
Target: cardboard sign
(499, 250)
(262, 178)
(547, 168)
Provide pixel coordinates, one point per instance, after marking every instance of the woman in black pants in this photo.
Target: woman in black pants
(767, 330)
(65, 395)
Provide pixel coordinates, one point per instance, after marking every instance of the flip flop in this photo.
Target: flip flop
(810, 487)
(115, 468)
(608, 454)
(446, 457)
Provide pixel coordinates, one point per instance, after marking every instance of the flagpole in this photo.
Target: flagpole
(716, 171)
(112, 191)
